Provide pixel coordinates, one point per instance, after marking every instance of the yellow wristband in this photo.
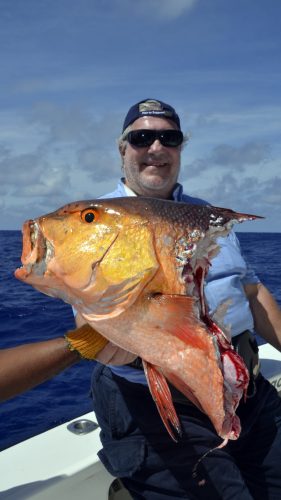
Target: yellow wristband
(86, 341)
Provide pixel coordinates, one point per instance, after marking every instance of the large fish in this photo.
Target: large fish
(135, 268)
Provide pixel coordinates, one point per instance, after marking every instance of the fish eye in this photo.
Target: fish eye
(89, 215)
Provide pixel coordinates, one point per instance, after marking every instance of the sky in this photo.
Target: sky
(70, 71)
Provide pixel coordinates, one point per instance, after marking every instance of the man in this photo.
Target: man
(136, 446)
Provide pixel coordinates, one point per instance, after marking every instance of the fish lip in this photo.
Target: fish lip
(36, 252)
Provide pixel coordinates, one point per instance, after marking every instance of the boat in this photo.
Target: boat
(63, 464)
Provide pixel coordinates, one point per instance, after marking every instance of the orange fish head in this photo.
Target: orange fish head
(90, 254)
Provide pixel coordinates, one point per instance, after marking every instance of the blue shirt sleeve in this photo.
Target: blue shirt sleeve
(228, 273)
(250, 275)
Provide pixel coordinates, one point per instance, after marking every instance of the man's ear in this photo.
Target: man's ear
(122, 149)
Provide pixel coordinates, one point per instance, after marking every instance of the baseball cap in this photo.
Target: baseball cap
(151, 107)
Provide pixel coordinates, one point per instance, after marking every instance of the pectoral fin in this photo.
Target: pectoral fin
(178, 315)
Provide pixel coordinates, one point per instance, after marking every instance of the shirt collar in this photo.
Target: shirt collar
(176, 194)
(129, 191)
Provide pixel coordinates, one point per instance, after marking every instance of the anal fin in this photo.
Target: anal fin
(162, 396)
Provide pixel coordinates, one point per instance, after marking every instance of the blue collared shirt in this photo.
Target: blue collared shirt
(224, 283)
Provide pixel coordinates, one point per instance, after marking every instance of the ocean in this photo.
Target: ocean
(28, 316)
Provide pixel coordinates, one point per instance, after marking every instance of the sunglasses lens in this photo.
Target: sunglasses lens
(145, 137)
(141, 138)
(171, 138)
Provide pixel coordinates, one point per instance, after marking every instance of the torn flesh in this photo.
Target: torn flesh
(234, 371)
(37, 251)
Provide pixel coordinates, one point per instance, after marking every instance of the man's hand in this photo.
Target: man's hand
(92, 345)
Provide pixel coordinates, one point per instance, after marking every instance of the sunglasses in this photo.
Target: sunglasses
(143, 138)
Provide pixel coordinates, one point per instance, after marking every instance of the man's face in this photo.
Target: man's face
(152, 170)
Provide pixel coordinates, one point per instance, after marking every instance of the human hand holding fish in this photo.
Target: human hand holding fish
(134, 269)
(90, 344)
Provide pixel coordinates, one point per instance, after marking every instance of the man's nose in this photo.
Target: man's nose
(156, 146)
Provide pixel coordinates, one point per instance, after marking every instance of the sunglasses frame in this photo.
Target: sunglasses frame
(153, 135)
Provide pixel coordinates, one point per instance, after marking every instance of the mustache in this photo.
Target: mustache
(164, 157)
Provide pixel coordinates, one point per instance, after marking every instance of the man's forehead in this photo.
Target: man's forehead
(153, 122)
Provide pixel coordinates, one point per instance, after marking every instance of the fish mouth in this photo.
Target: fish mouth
(36, 252)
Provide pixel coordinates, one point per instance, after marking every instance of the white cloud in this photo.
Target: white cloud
(162, 9)
(89, 80)
(250, 153)
(232, 124)
(244, 194)
(100, 163)
(74, 156)
(227, 157)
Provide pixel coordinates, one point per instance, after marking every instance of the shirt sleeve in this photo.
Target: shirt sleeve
(250, 276)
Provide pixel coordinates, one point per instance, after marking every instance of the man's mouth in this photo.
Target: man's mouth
(154, 163)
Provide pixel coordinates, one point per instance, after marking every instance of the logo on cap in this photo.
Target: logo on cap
(152, 107)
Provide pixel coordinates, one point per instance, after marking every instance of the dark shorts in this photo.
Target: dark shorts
(138, 449)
